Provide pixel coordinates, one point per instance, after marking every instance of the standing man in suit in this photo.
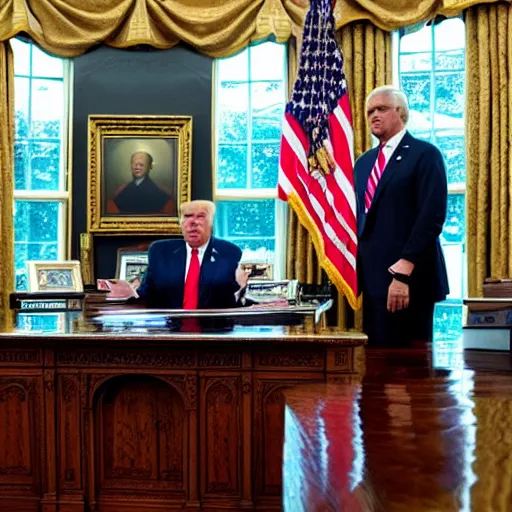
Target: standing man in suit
(401, 193)
(197, 272)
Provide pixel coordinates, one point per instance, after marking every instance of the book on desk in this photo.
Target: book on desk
(489, 319)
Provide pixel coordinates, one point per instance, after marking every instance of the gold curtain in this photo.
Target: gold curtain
(217, 28)
(488, 143)
(6, 177)
(367, 53)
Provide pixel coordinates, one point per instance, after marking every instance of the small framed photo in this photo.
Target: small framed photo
(139, 172)
(131, 266)
(54, 276)
(259, 271)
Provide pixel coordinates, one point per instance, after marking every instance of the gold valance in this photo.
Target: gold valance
(216, 27)
(392, 14)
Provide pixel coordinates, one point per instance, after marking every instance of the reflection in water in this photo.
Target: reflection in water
(433, 439)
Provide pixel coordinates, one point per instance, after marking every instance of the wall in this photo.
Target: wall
(139, 82)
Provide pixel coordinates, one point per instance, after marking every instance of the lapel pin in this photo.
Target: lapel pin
(214, 251)
(212, 259)
(399, 157)
(406, 146)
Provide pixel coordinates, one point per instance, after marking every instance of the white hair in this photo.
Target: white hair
(209, 206)
(398, 96)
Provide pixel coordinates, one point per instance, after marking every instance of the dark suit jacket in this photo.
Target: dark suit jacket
(163, 284)
(404, 221)
(146, 198)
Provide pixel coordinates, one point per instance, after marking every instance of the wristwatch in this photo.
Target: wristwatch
(403, 278)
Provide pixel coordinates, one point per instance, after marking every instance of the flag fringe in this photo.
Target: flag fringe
(332, 272)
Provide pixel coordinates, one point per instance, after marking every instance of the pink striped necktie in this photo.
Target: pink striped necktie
(373, 180)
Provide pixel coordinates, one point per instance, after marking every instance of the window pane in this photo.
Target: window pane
(415, 62)
(232, 166)
(455, 266)
(450, 34)
(448, 321)
(437, 115)
(36, 234)
(417, 88)
(452, 146)
(234, 68)
(44, 165)
(37, 165)
(454, 230)
(40, 105)
(45, 65)
(267, 101)
(453, 59)
(21, 104)
(417, 41)
(250, 225)
(21, 164)
(22, 60)
(449, 100)
(231, 109)
(38, 322)
(267, 61)
(250, 101)
(265, 164)
(47, 108)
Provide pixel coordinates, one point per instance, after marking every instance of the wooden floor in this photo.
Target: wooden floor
(424, 431)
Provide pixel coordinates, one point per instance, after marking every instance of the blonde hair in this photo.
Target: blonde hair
(209, 206)
(398, 96)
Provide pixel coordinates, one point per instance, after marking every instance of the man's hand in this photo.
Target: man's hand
(398, 296)
(241, 276)
(402, 267)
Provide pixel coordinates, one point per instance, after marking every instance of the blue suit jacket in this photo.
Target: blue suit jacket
(163, 284)
(404, 221)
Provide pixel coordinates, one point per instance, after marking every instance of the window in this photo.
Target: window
(40, 162)
(250, 97)
(431, 71)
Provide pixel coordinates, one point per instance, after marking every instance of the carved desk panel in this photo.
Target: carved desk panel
(150, 423)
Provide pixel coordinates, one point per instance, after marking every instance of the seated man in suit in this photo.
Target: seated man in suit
(197, 272)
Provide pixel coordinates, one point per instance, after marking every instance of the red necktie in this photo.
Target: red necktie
(374, 178)
(191, 293)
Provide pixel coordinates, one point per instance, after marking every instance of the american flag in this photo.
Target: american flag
(316, 161)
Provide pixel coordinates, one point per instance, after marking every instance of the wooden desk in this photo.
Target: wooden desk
(144, 423)
(409, 437)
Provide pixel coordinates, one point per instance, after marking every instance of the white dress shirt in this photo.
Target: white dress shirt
(392, 144)
(200, 254)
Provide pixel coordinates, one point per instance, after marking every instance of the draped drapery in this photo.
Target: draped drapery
(6, 179)
(367, 53)
(217, 28)
(488, 143)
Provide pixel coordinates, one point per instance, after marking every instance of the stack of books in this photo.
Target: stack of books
(489, 319)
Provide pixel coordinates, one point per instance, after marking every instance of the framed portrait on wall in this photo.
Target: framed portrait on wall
(139, 172)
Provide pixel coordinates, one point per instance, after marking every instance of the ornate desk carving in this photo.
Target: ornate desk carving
(107, 422)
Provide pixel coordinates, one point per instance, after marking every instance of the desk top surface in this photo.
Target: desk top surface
(410, 437)
(159, 327)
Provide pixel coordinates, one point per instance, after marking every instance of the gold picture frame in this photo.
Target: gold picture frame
(54, 276)
(139, 173)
